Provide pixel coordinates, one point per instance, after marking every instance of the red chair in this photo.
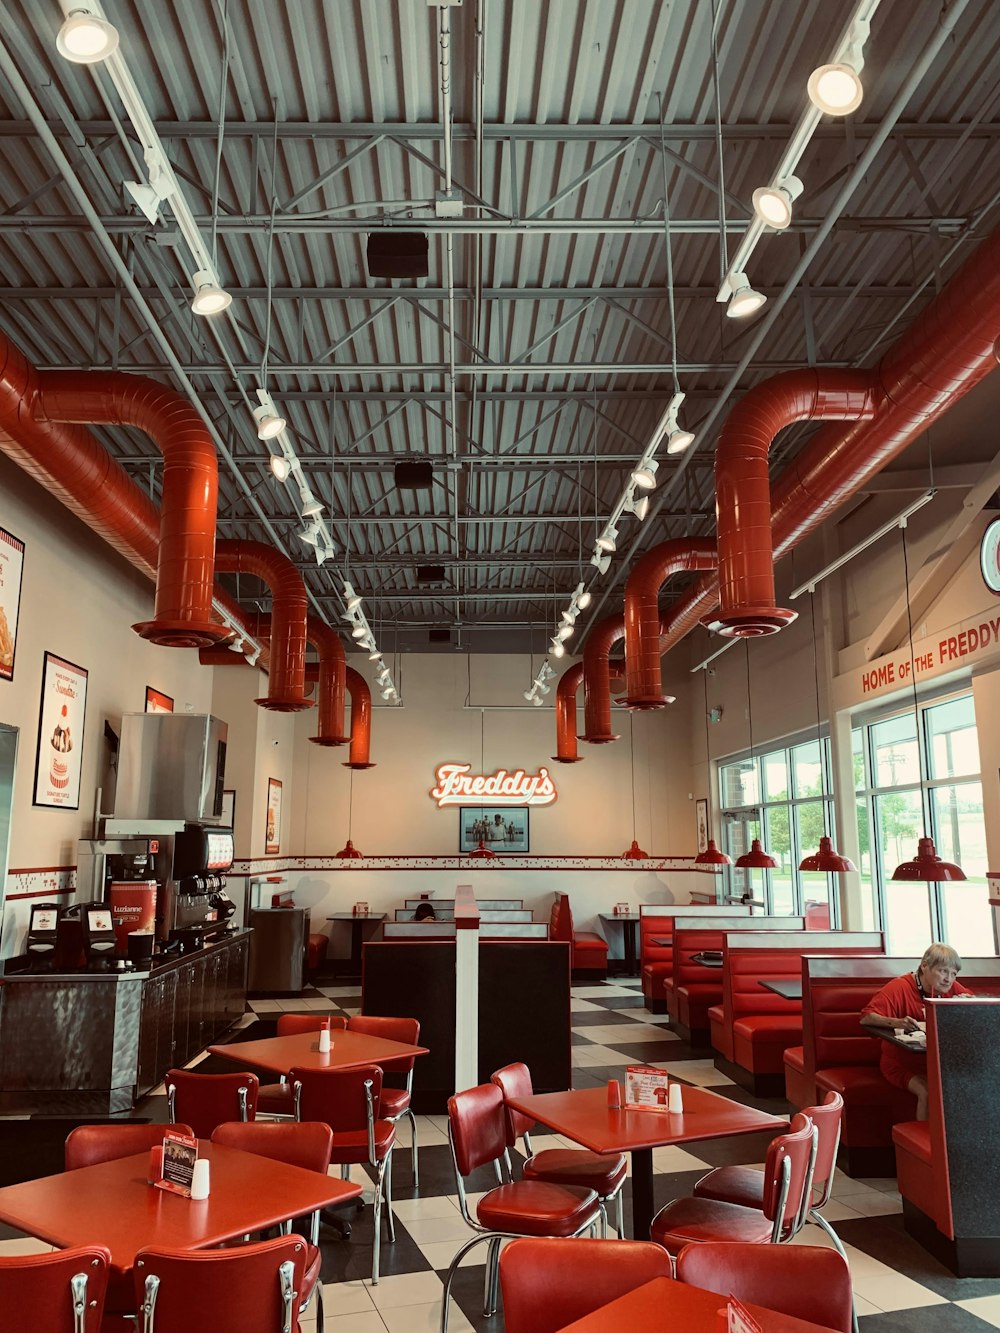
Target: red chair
(547, 1284)
(604, 1173)
(255, 1288)
(808, 1282)
(276, 1098)
(346, 1100)
(786, 1176)
(208, 1100)
(307, 1145)
(477, 1132)
(60, 1292)
(395, 1101)
(89, 1144)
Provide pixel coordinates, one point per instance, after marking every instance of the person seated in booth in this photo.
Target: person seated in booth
(899, 1007)
(424, 912)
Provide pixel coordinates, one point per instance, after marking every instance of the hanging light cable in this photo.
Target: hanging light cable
(635, 852)
(926, 866)
(482, 852)
(349, 852)
(827, 860)
(711, 856)
(756, 858)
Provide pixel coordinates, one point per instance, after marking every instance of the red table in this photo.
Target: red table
(111, 1204)
(668, 1306)
(348, 1050)
(584, 1117)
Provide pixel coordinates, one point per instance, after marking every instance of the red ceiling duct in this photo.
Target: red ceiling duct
(361, 720)
(596, 679)
(947, 350)
(182, 616)
(743, 491)
(286, 681)
(643, 678)
(332, 683)
(566, 695)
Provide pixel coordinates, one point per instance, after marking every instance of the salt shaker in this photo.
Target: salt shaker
(199, 1179)
(675, 1099)
(324, 1039)
(614, 1095)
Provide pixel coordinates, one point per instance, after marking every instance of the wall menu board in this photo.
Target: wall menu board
(59, 753)
(11, 568)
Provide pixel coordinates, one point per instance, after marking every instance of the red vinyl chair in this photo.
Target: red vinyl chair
(395, 1101)
(89, 1144)
(786, 1176)
(276, 1098)
(60, 1292)
(255, 1288)
(208, 1100)
(547, 1284)
(477, 1132)
(808, 1282)
(347, 1100)
(604, 1173)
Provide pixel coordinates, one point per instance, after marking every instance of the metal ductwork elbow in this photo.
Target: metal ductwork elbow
(361, 720)
(643, 676)
(332, 678)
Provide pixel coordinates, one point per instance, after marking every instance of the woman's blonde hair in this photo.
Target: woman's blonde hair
(941, 955)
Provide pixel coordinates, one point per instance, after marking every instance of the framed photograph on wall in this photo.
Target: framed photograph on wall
(272, 834)
(11, 569)
(701, 822)
(502, 830)
(157, 701)
(228, 809)
(59, 752)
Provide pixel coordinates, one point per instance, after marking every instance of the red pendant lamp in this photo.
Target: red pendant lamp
(926, 866)
(712, 855)
(483, 852)
(349, 852)
(756, 858)
(635, 852)
(827, 860)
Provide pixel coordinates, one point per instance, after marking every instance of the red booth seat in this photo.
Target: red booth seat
(797, 1083)
(590, 950)
(915, 1165)
(658, 923)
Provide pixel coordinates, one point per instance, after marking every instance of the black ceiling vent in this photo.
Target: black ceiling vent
(397, 254)
(439, 636)
(414, 476)
(428, 575)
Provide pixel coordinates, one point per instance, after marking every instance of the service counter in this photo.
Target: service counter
(94, 1043)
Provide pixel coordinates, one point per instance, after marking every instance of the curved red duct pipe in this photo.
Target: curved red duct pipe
(643, 676)
(361, 720)
(596, 679)
(743, 490)
(566, 696)
(945, 353)
(332, 679)
(182, 615)
(286, 681)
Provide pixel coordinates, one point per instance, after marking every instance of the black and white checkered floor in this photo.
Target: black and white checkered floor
(898, 1285)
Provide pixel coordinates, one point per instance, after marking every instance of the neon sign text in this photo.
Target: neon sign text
(455, 786)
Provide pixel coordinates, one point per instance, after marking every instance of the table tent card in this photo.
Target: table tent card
(179, 1156)
(646, 1088)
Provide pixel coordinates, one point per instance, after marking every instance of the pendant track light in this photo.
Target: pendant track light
(209, 298)
(86, 38)
(773, 203)
(744, 300)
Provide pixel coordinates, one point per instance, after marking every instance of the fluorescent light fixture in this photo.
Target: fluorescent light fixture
(608, 540)
(209, 298)
(557, 650)
(269, 423)
(644, 476)
(353, 599)
(744, 300)
(773, 203)
(86, 38)
(679, 440)
(280, 466)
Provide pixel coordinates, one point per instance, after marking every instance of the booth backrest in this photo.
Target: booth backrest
(561, 919)
(700, 934)
(834, 991)
(747, 958)
(657, 922)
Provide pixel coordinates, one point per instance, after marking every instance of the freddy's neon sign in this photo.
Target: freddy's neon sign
(455, 786)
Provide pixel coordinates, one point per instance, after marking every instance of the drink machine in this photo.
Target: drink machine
(41, 943)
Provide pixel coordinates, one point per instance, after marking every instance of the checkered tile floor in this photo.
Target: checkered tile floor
(898, 1286)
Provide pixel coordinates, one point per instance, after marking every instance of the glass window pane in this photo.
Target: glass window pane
(959, 829)
(738, 832)
(807, 770)
(953, 746)
(894, 752)
(775, 776)
(898, 824)
(907, 919)
(858, 758)
(815, 886)
(738, 783)
(968, 918)
(777, 841)
(867, 885)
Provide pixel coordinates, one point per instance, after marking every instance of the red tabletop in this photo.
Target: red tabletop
(666, 1305)
(584, 1117)
(348, 1050)
(111, 1204)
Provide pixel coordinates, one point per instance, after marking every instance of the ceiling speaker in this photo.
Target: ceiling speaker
(413, 476)
(397, 254)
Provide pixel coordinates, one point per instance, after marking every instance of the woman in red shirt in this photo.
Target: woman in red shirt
(899, 1007)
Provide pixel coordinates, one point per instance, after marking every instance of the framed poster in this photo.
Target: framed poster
(701, 821)
(59, 752)
(157, 701)
(228, 809)
(502, 830)
(272, 834)
(11, 568)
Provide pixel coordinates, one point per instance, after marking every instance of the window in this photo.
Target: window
(898, 805)
(779, 798)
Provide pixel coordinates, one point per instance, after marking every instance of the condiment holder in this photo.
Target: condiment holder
(200, 1179)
